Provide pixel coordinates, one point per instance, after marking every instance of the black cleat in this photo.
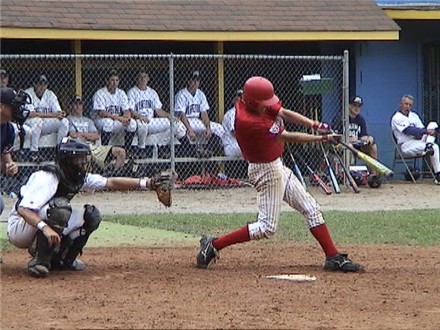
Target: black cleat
(207, 252)
(341, 263)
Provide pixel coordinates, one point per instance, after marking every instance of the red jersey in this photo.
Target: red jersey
(257, 134)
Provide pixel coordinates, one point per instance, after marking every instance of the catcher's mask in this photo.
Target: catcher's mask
(258, 91)
(74, 158)
(18, 102)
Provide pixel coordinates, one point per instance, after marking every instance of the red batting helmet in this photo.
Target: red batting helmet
(259, 90)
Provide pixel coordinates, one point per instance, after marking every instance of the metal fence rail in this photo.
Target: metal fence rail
(205, 164)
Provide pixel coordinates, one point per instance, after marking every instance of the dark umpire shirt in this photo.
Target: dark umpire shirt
(7, 138)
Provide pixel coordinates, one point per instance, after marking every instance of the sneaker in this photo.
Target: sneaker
(207, 252)
(437, 178)
(38, 270)
(341, 263)
(429, 149)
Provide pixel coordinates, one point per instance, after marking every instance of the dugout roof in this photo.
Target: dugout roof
(202, 20)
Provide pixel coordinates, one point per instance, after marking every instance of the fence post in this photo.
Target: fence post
(345, 100)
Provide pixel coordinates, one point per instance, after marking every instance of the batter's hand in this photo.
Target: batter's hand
(322, 128)
(332, 138)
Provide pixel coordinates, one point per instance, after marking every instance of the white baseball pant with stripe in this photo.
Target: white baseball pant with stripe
(276, 183)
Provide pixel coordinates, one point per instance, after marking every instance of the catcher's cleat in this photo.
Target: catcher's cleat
(38, 270)
(77, 265)
(341, 263)
(207, 252)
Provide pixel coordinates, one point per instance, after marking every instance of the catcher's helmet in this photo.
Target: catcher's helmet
(414, 171)
(259, 91)
(73, 158)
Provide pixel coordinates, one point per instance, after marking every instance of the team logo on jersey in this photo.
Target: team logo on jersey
(276, 127)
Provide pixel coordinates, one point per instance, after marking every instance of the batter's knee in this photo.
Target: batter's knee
(314, 218)
(259, 230)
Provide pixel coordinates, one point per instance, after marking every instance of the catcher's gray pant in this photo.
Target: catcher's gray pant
(21, 234)
(108, 125)
(274, 183)
(158, 125)
(35, 127)
(417, 147)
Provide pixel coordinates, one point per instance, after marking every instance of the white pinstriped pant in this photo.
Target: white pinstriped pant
(276, 183)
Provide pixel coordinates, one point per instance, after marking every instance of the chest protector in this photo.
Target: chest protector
(67, 187)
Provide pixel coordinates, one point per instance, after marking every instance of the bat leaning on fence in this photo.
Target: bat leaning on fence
(325, 188)
(348, 176)
(330, 171)
(369, 161)
(296, 170)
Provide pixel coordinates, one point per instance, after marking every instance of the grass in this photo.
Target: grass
(410, 227)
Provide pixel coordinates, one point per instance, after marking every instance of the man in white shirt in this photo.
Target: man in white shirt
(150, 117)
(230, 144)
(412, 136)
(112, 112)
(46, 116)
(192, 108)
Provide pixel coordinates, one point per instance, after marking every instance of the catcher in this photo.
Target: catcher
(43, 220)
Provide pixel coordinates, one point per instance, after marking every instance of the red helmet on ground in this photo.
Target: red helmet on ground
(259, 90)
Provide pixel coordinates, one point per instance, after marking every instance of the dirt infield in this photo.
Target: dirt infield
(159, 287)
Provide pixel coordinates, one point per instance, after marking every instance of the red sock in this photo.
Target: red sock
(239, 236)
(323, 237)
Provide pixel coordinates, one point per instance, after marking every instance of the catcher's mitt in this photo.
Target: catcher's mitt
(163, 183)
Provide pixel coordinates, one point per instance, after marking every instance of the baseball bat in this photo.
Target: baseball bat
(369, 161)
(325, 188)
(297, 170)
(330, 171)
(348, 175)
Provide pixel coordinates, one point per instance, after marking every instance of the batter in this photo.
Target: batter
(261, 136)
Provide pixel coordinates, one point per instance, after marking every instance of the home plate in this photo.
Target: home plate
(292, 277)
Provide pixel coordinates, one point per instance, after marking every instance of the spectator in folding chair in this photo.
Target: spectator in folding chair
(46, 116)
(112, 112)
(192, 107)
(230, 144)
(146, 109)
(413, 138)
(83, 128)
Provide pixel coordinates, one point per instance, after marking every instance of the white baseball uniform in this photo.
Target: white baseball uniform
(230, 144)
(114, 103)
(35, 195)
(192, 106)
(146, 102)
(35, 127)
(408, 144)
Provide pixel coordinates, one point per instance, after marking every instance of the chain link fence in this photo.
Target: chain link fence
(154, 138)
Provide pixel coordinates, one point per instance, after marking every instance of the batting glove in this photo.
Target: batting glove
(322, 128)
